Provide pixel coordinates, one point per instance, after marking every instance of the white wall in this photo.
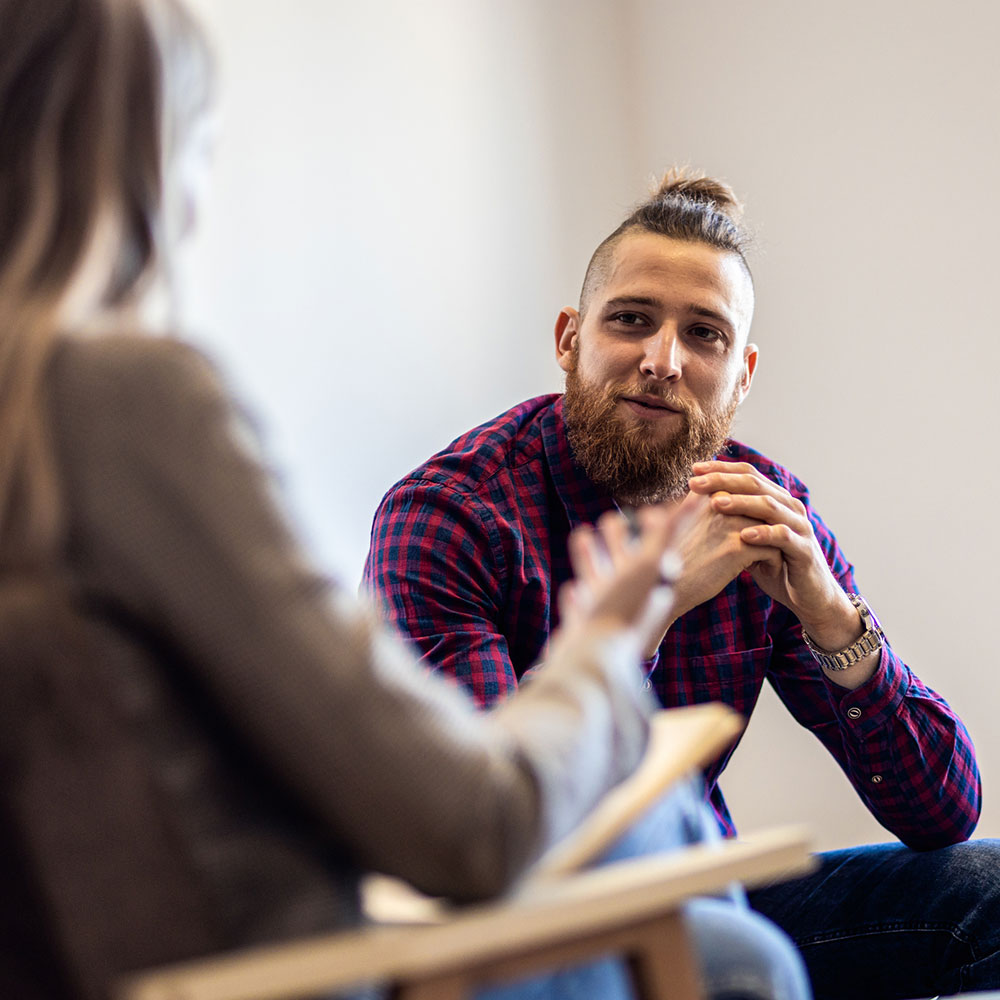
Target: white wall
(395, 225)
(407, 193)
(860, 133)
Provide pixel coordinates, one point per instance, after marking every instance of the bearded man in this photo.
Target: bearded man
(469, 551)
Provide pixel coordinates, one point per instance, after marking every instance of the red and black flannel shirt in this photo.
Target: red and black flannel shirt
(469, 550)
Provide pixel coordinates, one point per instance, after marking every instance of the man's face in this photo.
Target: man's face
(657, 365)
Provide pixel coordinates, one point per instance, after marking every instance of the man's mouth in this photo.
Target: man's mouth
(651, 403)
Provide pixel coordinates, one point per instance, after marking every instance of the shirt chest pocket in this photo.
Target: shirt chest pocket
(734, 677)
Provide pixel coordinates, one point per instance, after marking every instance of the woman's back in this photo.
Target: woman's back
(141, 828)
(151, 828)
(203, 742)
(206, 742)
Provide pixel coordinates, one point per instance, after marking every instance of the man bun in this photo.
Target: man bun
(685, 205)
(688, 205)
(697, 186)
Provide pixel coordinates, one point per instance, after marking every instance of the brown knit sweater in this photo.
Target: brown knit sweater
(204, 744)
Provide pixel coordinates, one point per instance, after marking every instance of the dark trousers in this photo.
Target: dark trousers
(886, 923)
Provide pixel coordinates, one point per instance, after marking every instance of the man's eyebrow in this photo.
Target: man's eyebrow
(632, 300)
(711, 314)
(650, 300)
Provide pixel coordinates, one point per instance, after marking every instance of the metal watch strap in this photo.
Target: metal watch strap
(871, 641)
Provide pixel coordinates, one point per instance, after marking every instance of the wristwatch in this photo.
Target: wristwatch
(872, 640)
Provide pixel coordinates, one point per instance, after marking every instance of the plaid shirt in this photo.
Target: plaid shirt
(469, 550)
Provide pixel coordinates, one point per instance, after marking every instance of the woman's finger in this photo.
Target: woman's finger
(617, 537)
(587, 555)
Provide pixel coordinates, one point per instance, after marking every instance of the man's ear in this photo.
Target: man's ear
(567, 332)
(749, 367)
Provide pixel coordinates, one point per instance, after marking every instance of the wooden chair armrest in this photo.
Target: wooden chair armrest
(542, 915)
(680, 740)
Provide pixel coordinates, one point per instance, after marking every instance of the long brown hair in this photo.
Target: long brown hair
(82, 127)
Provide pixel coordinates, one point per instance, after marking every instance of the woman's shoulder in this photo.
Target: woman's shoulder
(117, 394)
(130, 363)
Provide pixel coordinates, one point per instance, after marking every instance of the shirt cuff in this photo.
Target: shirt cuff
(866, 710)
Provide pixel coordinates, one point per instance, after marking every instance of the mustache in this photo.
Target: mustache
(671, 399)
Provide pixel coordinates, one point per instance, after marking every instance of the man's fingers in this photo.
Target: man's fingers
(768, 508)
(733, 482)
(771, 562)
(714, 464)
(731, 468)
(778, 536)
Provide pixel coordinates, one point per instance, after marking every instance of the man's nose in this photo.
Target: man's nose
(662, 358)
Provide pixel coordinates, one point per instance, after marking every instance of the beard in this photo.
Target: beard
(624, 456)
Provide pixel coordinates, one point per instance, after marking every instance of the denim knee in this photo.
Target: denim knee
(743, 954)
(679, 818)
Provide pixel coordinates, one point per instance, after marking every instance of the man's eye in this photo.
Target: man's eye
(705, 333)
(629, 319)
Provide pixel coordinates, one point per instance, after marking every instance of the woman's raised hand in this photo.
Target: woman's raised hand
(625, 567)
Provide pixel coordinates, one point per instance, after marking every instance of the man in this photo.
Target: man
(469, 551)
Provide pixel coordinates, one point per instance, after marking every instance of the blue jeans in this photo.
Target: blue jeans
(741, 955)
(884, 922)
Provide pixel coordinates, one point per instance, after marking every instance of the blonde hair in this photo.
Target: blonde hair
(684, 205)
(84, 108)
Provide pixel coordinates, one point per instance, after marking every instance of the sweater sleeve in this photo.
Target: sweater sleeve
(173, 518)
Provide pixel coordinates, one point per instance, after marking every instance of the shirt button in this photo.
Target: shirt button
(876, 779)
(854, 712)
(647, 685)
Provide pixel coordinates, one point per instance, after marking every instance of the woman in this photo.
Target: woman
(204, 743)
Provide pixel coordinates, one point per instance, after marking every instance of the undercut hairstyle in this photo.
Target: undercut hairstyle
(685, 206)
